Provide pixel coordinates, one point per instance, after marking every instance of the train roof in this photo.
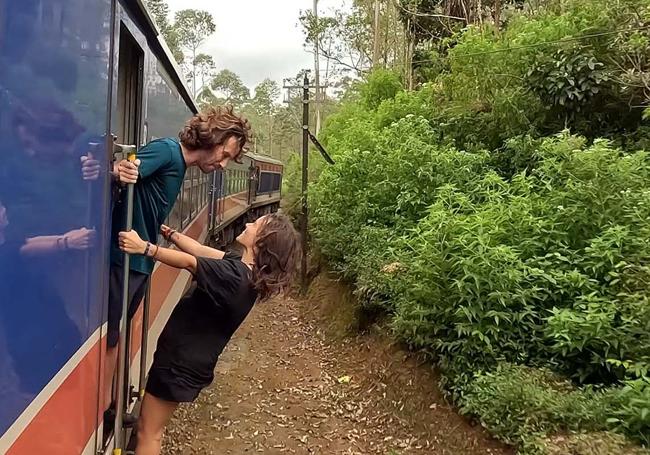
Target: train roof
(164, 54)
(264, 159)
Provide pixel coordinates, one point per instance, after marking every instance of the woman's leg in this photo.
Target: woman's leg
(154, 416)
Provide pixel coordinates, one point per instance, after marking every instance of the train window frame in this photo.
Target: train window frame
(185, 203)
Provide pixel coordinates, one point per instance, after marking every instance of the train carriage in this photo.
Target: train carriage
(75, 74)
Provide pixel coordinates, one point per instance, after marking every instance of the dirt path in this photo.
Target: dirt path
(286, 385)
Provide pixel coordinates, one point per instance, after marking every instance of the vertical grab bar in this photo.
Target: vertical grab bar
(121, 356)
(145, 340)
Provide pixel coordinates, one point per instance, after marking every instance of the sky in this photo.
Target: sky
(257, 38)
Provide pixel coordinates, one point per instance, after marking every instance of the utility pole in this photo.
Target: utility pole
(307, 136)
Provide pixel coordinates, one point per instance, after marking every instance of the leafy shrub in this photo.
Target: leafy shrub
(491, 235)
(381, 85)
(524, 405)
(632, 417)
(594, 443)
(519, 404)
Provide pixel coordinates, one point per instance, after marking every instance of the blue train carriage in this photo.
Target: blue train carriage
(73, 74)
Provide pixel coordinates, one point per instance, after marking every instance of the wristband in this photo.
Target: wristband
(65, 242)
(146, 249)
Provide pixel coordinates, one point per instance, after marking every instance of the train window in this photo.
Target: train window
(196, 195)
(176, 215)
(192, 182)
(186, 201)
(201, 190)
(129, 89)
(206, 188)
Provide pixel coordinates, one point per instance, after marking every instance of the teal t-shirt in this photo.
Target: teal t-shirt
(162, 170)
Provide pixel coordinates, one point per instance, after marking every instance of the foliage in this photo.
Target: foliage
(204, 67)
(490, 240)
(567, 80)
(160, 12)
(593, 443)
(230, 86)
(381, 85)
(266, 94)
(539, 403)
(192, 27)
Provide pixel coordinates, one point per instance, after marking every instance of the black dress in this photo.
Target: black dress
(200, 327)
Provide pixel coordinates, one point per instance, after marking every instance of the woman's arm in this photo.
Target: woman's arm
(189, 245)
(131, 243)
(77, 239)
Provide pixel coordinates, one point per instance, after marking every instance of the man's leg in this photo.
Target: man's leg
(137, 288)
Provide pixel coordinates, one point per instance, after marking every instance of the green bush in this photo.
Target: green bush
(485, 215)
(522, 405)
(594, 443)
(381, 85)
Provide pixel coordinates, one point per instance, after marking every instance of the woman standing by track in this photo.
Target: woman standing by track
(227, 286)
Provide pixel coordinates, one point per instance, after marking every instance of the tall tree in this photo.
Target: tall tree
(160, 12)
(204, 68)
(193, 27)
(207, 98)
(230, 86)
(266, 94)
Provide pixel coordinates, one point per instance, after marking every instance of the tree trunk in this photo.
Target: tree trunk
(194, 72)
(317, 70)
(376, 32)
(497, 14)
(270, 135)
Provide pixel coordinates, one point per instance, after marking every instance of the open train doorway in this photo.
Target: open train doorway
(126, 128)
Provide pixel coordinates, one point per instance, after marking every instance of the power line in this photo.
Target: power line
(530, 46)
(560, 41)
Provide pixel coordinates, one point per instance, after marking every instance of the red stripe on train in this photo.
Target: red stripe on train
(68, 419)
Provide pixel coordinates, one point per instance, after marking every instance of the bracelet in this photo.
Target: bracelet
(58, 243)
(156, 253)
(65, 243)
(171, 234)
(146, 249)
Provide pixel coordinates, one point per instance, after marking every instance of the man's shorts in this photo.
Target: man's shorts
(137, 288)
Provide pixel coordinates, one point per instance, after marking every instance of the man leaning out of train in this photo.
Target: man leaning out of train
(209, 140)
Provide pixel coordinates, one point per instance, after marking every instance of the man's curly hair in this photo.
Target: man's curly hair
(214, 126)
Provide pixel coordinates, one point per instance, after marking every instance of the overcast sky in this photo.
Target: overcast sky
(257, 38)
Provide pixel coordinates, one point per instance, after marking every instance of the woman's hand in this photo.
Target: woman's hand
(166, 232)
(130, 242)
(79, 239)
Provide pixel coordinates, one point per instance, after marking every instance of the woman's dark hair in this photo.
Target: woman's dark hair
(214, 126)
(277, 248)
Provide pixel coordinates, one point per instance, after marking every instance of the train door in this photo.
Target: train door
(126, 127)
